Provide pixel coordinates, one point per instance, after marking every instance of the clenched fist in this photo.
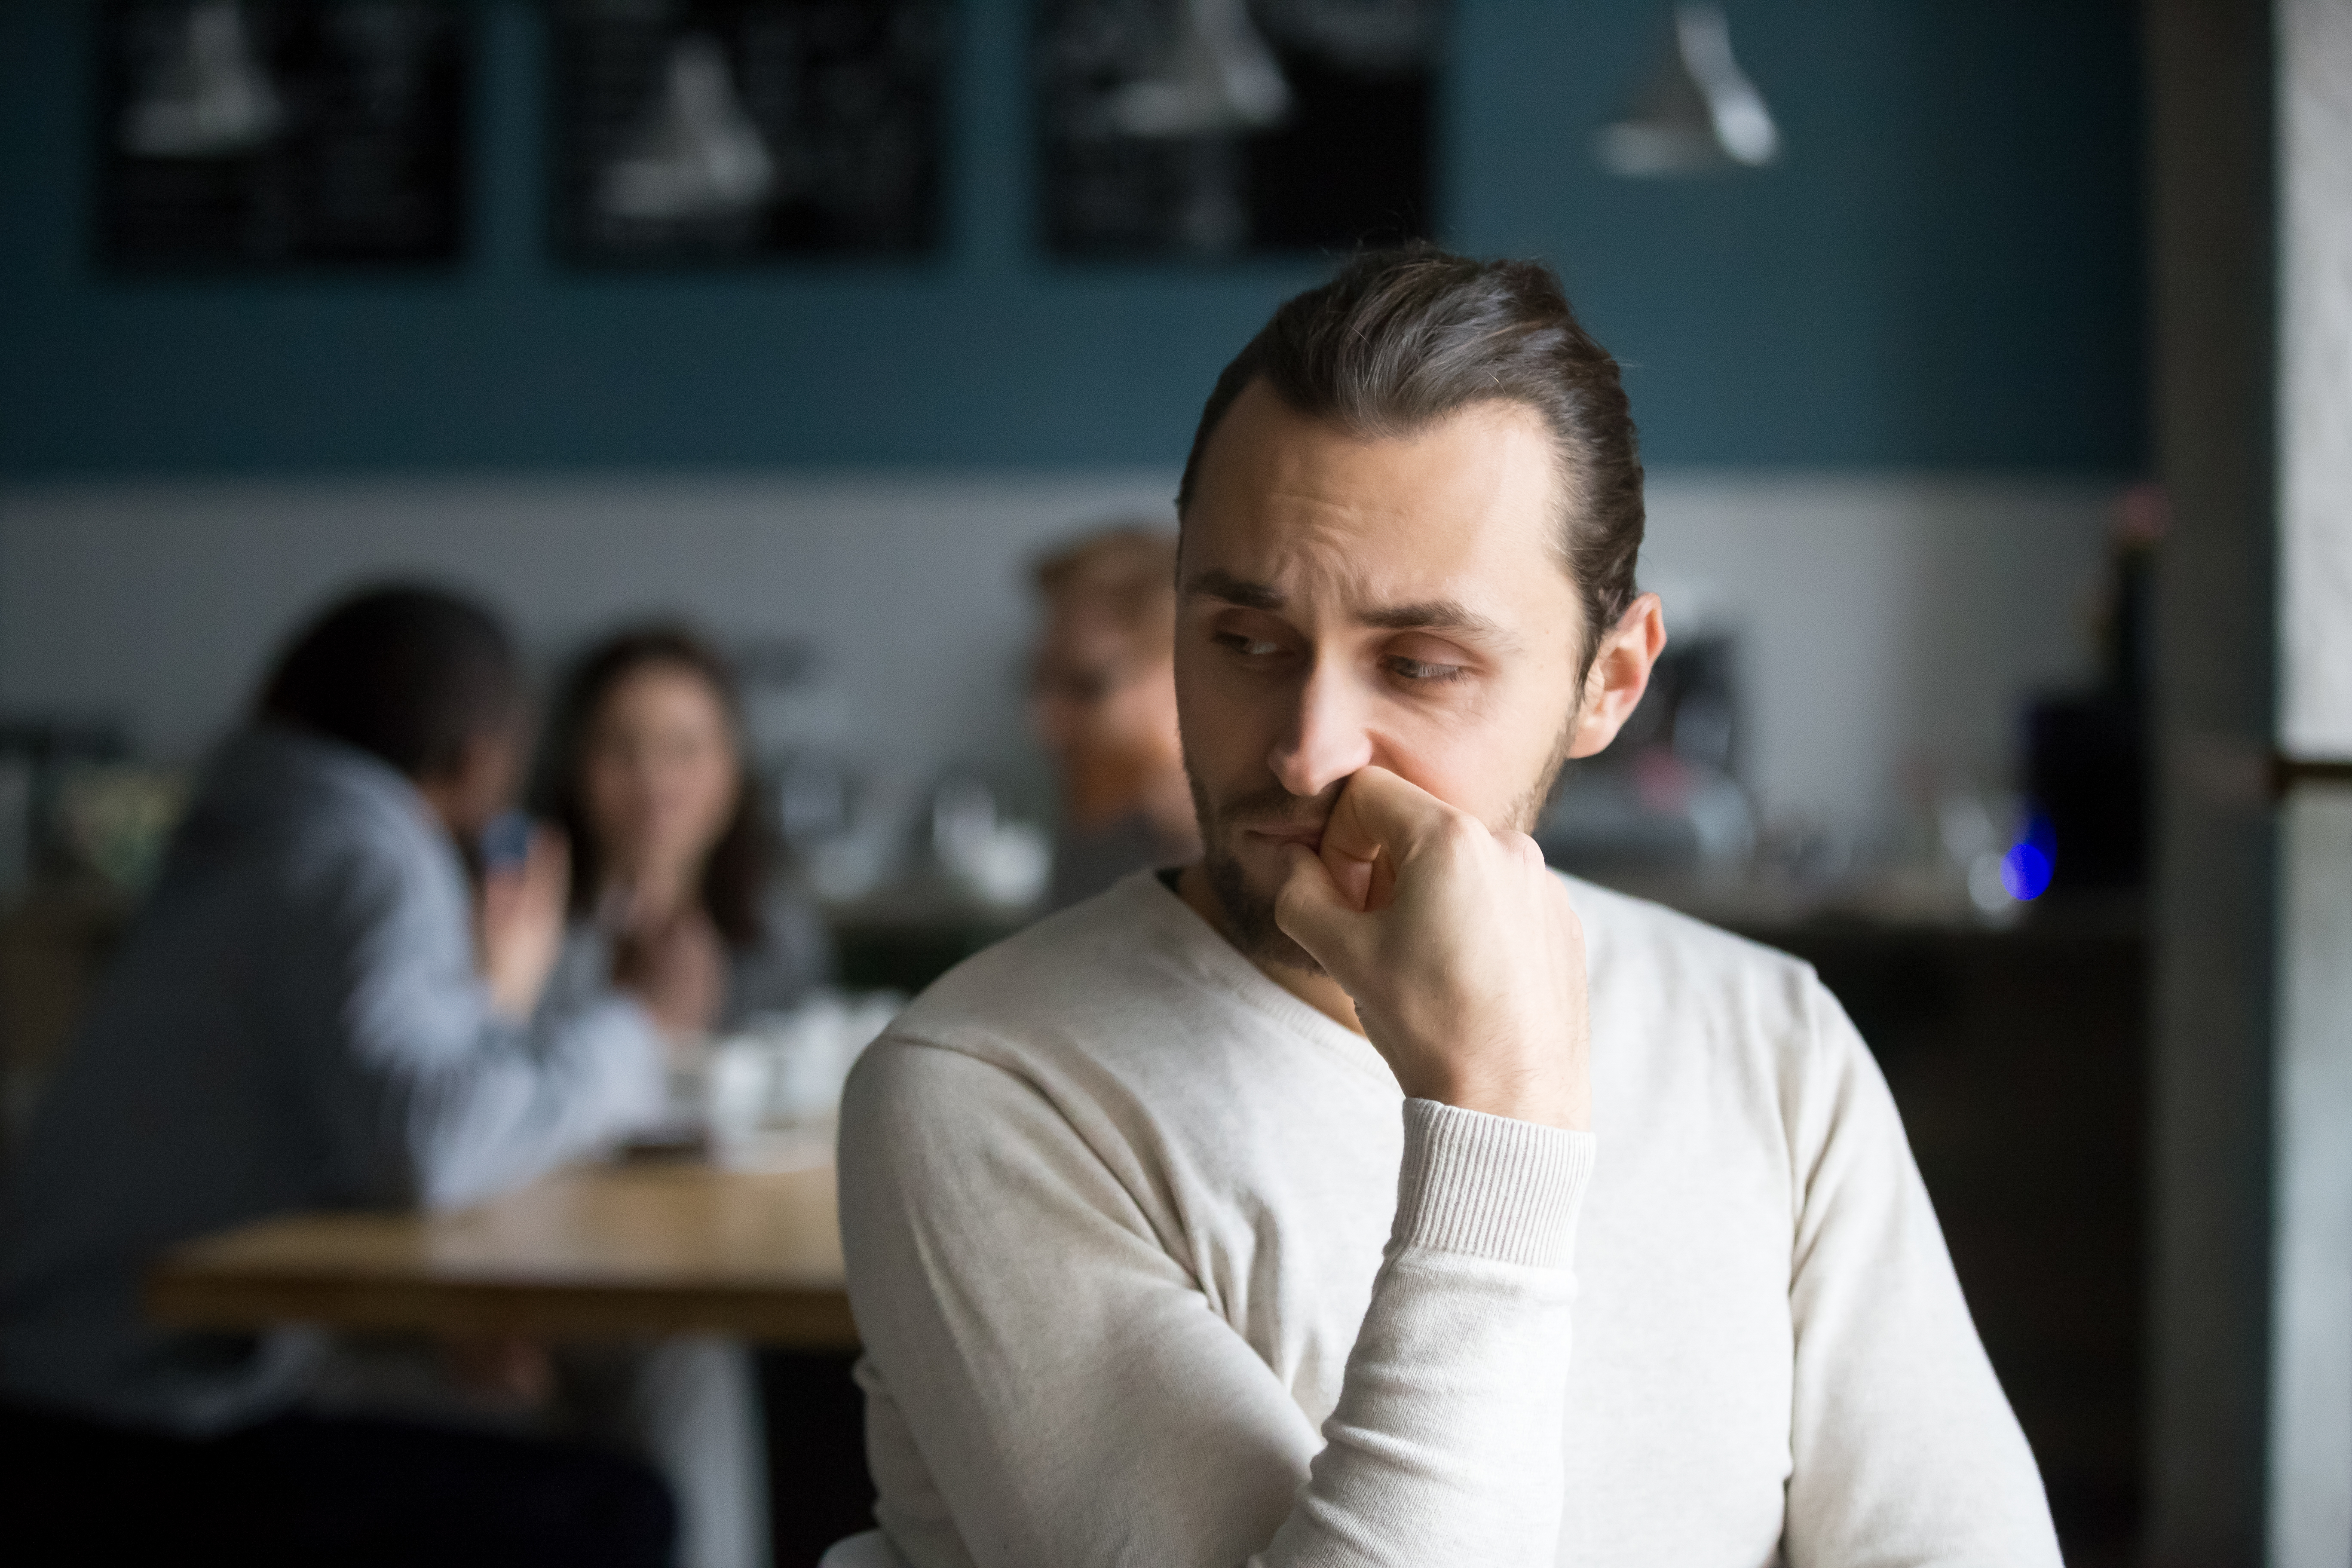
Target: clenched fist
(1460, 950)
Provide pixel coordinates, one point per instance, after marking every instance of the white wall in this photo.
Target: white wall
(2315, 404)
(161, 604)
(1891, 625)
(1887, 620)
(2310, 1504)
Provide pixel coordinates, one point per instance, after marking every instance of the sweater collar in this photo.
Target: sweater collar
(1216, 961)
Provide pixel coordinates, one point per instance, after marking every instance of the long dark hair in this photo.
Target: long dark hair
(735, 873)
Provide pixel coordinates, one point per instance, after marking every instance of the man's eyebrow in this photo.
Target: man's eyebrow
(1215, 585)
(1434, 614)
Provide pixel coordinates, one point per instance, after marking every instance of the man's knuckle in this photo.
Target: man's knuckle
(1454, 832)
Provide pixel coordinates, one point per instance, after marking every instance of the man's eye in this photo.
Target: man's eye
(1248, 647)
(1415, 670)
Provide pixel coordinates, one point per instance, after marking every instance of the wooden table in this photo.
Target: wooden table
(595, 1252)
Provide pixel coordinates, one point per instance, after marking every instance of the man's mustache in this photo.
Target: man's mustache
(1276, 807)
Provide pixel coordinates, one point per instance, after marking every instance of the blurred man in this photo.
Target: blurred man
(302, 1019)
(1103, 700)
(1248, 1214)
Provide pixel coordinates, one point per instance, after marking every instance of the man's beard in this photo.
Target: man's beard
(1249, 909)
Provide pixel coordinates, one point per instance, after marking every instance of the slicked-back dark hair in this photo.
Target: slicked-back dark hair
(408, 673)
(735, 874)
(1401, 339)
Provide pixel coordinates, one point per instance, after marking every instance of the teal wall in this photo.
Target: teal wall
(1944, 272)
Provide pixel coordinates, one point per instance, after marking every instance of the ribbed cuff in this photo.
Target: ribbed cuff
(1489, 1187)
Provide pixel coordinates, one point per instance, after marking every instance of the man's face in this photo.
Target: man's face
(1347, 603)
(1103, 702)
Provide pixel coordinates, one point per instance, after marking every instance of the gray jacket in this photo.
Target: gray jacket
(295, 1022)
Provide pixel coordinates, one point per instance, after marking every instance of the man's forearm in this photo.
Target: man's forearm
(1445, 1443)
(522, 1106)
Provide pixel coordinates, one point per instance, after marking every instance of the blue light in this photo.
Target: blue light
(2028, 866)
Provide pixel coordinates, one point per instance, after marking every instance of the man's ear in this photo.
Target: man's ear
(1619, 674)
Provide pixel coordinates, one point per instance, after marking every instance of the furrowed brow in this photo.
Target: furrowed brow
(1438, 615)
(1433, 616)
(1214, 585)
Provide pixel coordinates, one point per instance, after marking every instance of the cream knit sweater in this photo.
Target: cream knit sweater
(1155, 1265)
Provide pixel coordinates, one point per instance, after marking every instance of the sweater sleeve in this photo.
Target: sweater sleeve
(1906, 1451)
(1071, 1400)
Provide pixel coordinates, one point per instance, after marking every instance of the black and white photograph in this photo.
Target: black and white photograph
(738, 131)
(1201, 129)
(267, 133)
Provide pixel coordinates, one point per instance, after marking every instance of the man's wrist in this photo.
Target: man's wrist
(1537, 1097)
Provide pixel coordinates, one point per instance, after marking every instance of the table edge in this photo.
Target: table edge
(808, 1317)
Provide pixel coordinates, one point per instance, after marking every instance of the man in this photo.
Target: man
(301, 1019)
(1250, 1213)
(1102, 696)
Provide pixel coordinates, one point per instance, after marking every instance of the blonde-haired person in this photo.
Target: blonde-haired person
(1102, 700)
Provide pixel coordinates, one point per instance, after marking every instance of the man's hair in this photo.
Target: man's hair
(1125, 571)
(1401, 339)
(409, 674)
(735, 874)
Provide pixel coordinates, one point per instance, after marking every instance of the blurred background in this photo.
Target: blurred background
(819, 324)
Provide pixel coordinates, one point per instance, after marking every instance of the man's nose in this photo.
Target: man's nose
(1327, 738)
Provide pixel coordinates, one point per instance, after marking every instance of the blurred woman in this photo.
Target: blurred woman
(673, 874)
(673, 867)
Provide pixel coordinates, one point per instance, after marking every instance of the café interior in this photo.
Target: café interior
(1989, 365)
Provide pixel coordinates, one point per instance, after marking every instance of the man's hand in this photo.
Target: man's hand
(522, 923)
(1460, 951)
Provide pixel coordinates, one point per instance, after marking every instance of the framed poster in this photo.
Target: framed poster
(745, 130)
(271, 133)
(1218, 128)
